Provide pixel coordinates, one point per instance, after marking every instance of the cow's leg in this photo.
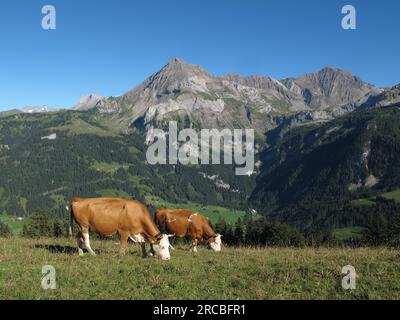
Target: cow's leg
(143, 246)
(152, 253)
(87, 243)
(80, 240)
(194, 245)
(123, 242)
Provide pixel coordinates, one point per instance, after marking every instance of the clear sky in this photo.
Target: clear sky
(109, 46)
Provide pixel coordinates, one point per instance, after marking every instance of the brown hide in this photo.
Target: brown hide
(185, 223)
(107, 216)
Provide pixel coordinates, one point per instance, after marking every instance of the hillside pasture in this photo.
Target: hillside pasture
(214, 213)
(235, 273)
(392, 195)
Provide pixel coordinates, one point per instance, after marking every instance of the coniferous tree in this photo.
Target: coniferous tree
(394, 231)
(238, 233)
(39, 224)
(5, 230)
(376, 230)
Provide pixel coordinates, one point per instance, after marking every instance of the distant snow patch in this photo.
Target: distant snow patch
(52, 136)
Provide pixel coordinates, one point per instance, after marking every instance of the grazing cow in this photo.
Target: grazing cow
(108, 216)
(186, 223)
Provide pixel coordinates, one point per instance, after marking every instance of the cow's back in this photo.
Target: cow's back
(174, 220)
(109, 215)
(183, 222)
(198, 225)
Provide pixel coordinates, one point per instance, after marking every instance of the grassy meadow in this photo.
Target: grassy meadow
(235, 273)
(392, 195)
(15, 224)
(214, 213)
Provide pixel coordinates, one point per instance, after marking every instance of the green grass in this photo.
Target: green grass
(348, 233)
(134, 150)
(113, 193)
(392, 195)
(280, 106)
(364, 202)
(243, 273)
(78, 126)
(3, 199)
(108, 167)
(214, 213)
(15, 225)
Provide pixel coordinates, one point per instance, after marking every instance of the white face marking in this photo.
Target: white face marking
(216, 245)
(162, 248)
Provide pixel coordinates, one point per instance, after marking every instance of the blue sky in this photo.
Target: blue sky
(107, 47)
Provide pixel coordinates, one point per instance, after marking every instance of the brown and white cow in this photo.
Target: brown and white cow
(187, 223)
(108, 216)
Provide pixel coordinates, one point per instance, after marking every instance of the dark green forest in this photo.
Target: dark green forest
(87, 159)
(312, 174)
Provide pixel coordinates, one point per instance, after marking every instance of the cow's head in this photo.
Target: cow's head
(215, 243)
(161, 247)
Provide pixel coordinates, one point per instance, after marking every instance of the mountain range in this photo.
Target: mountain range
(186, 92)
(326, 139)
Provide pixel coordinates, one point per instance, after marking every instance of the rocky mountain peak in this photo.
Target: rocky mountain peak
(173, 78)
(188, 92)
(388, 97)
(330, 87)
(332, 70)
(330, 74)
(179, 67)
(87, 102)
(177, 61)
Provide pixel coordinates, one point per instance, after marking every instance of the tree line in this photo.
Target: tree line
(249, 231)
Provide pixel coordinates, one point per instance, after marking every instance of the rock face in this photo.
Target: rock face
(87, 102)
(388, 97)
(194, 97)
(331, 88)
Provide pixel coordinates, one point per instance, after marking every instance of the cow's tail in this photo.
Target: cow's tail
(156, 219)
(71, 221)
(159, 219)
